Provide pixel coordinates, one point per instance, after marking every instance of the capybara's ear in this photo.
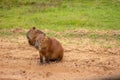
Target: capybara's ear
(34, 28)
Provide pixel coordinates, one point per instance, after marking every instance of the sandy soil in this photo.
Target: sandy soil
(83, 60)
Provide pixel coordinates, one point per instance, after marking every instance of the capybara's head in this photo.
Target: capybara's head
(41, 41)
(32, 34)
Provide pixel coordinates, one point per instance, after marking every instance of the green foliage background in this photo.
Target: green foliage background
(60, 15)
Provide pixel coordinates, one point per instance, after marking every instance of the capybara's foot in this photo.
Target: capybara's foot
(41, 61)
(47, 60)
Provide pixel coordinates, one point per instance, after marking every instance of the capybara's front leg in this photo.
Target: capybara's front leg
(41, 58)
(46, 59)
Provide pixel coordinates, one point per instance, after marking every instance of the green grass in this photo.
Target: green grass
(60, 15)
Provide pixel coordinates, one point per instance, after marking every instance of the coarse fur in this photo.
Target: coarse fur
(49, 48)
(32, 34)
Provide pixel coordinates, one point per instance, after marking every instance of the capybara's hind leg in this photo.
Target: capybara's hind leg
(57, 60)
(53, 60)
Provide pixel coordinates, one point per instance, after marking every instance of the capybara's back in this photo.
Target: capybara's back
(49, 48)
(56, 48)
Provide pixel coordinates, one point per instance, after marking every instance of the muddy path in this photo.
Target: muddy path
(82, 61)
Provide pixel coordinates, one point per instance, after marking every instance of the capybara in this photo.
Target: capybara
(32, 34)
(49, 48)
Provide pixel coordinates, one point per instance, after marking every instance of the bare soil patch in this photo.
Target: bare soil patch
(83, 59)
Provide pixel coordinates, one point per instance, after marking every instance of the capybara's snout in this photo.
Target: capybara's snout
(36, 45)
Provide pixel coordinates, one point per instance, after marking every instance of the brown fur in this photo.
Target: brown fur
(49, 48)
(32, 34)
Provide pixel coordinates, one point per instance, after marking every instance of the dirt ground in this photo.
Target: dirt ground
(83, 60)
